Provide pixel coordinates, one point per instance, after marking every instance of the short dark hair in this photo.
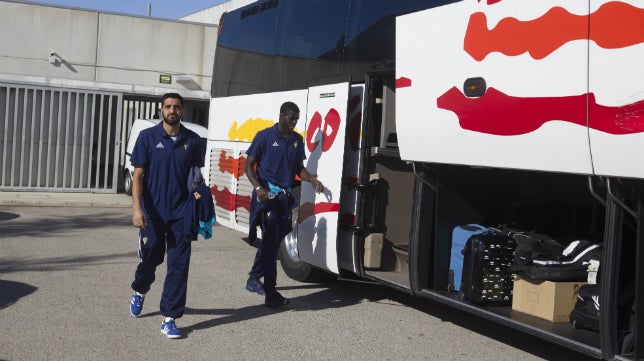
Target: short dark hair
(173, 96)
(288, 108)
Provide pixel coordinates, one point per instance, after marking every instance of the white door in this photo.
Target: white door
(324, 142)
(531, 110)
(616, 87)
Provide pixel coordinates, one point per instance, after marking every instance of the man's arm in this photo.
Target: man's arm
(262, 194)
(138, 217)
(306, 176)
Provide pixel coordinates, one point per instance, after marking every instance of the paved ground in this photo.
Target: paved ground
(62, 199)
(64, 276)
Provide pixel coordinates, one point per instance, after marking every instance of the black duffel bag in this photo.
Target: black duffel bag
(538, 256)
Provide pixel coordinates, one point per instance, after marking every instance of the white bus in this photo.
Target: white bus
(420, 116)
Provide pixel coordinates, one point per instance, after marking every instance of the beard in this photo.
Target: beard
(171, 121)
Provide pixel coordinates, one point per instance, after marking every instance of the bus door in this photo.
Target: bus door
(615, 101)
(317, 230)
(388, 204)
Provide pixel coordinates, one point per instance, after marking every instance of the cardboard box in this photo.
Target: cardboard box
(373, 250)
(552, 301)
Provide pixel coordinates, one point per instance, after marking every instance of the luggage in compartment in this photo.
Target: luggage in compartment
(460, 235)
(541, 257)
(487, 279)
(585, 314)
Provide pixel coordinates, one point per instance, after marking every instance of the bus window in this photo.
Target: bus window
(245, 50)
(272, 45)
(297, 36)
(250, 30)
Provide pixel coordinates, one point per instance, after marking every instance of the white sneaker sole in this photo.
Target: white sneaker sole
(170, 336)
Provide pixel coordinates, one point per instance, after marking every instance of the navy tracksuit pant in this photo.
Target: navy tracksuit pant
(157, 237)
(275, 221)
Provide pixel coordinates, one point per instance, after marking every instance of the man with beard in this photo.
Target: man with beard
(163, 157)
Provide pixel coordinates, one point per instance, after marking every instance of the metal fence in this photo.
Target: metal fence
(55, 139)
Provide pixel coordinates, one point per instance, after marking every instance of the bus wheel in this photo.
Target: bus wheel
(127, 181)
(294, 267)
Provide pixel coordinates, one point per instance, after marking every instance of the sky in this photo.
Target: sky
(168, 9)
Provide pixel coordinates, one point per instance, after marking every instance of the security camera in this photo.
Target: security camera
(53, 58)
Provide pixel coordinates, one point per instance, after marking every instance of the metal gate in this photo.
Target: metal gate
(55, 139)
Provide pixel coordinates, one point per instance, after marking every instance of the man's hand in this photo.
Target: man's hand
(317, 185)
(138, 219)
(262, 194)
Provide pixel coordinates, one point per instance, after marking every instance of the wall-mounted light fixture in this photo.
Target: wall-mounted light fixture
(187, 81)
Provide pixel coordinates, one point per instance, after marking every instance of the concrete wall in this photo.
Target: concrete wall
(104, 51)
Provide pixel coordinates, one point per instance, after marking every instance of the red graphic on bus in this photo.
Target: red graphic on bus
(403, 82)
(500, 114)
(329, 131)
(223, 198)
(309, 209)
(228, 201)
(242, 202)
(490, 2)
(614, 25)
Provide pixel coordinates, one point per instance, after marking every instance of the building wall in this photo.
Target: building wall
(104, 51)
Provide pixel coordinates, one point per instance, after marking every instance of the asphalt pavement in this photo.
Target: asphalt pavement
(65, 272)
(65, 199)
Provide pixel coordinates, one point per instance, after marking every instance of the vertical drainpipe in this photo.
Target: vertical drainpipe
(98, 45)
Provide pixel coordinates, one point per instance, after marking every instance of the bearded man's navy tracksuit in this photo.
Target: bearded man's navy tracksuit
(167, 163)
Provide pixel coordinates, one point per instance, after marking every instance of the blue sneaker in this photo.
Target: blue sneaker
(254, 285)
(170, 329)
(136, 304)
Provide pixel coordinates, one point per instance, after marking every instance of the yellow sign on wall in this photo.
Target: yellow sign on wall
(165, 79)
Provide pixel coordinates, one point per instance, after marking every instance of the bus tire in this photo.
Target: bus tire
(127, 182)
(294, 267)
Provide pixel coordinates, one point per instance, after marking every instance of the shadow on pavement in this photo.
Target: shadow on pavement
(332, 295)
(61, 223)
(13, 291)
(4, 216)
(60, 263)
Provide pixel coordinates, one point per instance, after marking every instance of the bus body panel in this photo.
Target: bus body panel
(231, 193)
(495, 122)
(234, 121)
(239, 118)
(518, 122)
(615, 81)
(322, 115)
(324, 141)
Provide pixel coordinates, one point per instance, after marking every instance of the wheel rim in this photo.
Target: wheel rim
(128, 181)
(290, 241)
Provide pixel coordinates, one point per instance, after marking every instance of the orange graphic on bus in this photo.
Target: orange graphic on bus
(231, 165)
(614, 25)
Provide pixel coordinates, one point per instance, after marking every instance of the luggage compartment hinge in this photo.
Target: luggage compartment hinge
(365, 225)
